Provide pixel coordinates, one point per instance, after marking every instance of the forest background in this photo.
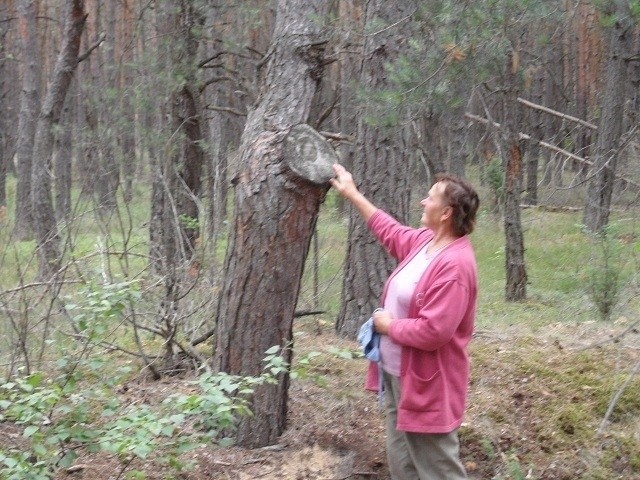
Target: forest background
(157, 230)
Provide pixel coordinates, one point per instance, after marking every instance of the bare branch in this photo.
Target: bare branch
(98, 42)
(524, 136)
(616, 397)
(339, 137)
(557, 114)
(226, 109)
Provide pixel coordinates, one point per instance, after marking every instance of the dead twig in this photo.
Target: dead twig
(616, 397)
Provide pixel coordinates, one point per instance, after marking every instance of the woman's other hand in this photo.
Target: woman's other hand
(381, 321)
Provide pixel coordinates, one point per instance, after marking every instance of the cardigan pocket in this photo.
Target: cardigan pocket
(421, 394)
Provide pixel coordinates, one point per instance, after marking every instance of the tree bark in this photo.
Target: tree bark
(381, 166)
(276, 206)
(62, 163)
(47, 242)
(108, 174)
(29, 107)
(516, 275)
(177, 186)
(126, 82)
(598, 201)
(5, 107)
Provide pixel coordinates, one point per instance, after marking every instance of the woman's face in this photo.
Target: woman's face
(433, 207)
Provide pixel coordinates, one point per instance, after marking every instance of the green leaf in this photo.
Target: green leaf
(35, 379)
(29, 431)
(68, 458)
(226, 442)
(273, 350)
(40, 450)
(10, 462)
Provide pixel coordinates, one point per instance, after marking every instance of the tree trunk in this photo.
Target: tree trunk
(220, 128)
(177, 186)
(188, 167)
(62, 163)
(351, 28)
(88, 163)
(554, 98)
(107, 116)
(536, 126)
(29, 106)
(126, 82)
(598, 201)
(429, 147)
(47, 242)
(276, 206)
(516, 275)
(5, 108)
(381, 165)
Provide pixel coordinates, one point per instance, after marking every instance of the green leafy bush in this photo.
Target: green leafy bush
(60, 417)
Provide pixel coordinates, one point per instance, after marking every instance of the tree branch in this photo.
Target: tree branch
(616, 397)
(226, 109)
(524, 136)
(557, 114)
(98, 42)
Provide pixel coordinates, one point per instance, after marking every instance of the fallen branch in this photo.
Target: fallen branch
(564, 116)
(524, 136)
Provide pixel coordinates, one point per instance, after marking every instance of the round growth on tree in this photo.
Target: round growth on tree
(309, 155)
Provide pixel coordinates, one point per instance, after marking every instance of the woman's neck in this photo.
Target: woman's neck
(441, 239)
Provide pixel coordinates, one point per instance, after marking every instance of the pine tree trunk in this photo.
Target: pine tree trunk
(177, 184)
(276, 205)
(380, 165)
(47, 242)
(126, 82)
(29, 107)
(516, 275)
(109, 168)
(5, 109)
(62, 162)
(598, 201)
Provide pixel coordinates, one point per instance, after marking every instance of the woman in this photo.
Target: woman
(426, 322)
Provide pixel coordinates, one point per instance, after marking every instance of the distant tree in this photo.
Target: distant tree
(351, 26)
(4, 159)
(228, 92)
(176, 185)
(610, 129)
(380, 161)
(512, 162)
(105, 84)
(276, 203)
(126, 83)
(62, 161)
(47, 242)
(29, 108)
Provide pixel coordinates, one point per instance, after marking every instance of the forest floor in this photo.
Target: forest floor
(536, 401)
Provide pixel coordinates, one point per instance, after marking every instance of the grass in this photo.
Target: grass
(547, 402)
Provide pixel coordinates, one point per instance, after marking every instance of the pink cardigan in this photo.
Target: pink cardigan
(434, 366)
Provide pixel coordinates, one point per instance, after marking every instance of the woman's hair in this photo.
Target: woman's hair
(463, 199)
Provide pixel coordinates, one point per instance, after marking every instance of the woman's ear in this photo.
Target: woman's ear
(447, 213)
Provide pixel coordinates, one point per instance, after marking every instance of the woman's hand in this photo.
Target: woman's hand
(381, 321)
(343, 182)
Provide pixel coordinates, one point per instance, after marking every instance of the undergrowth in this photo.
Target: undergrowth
(547, 407)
